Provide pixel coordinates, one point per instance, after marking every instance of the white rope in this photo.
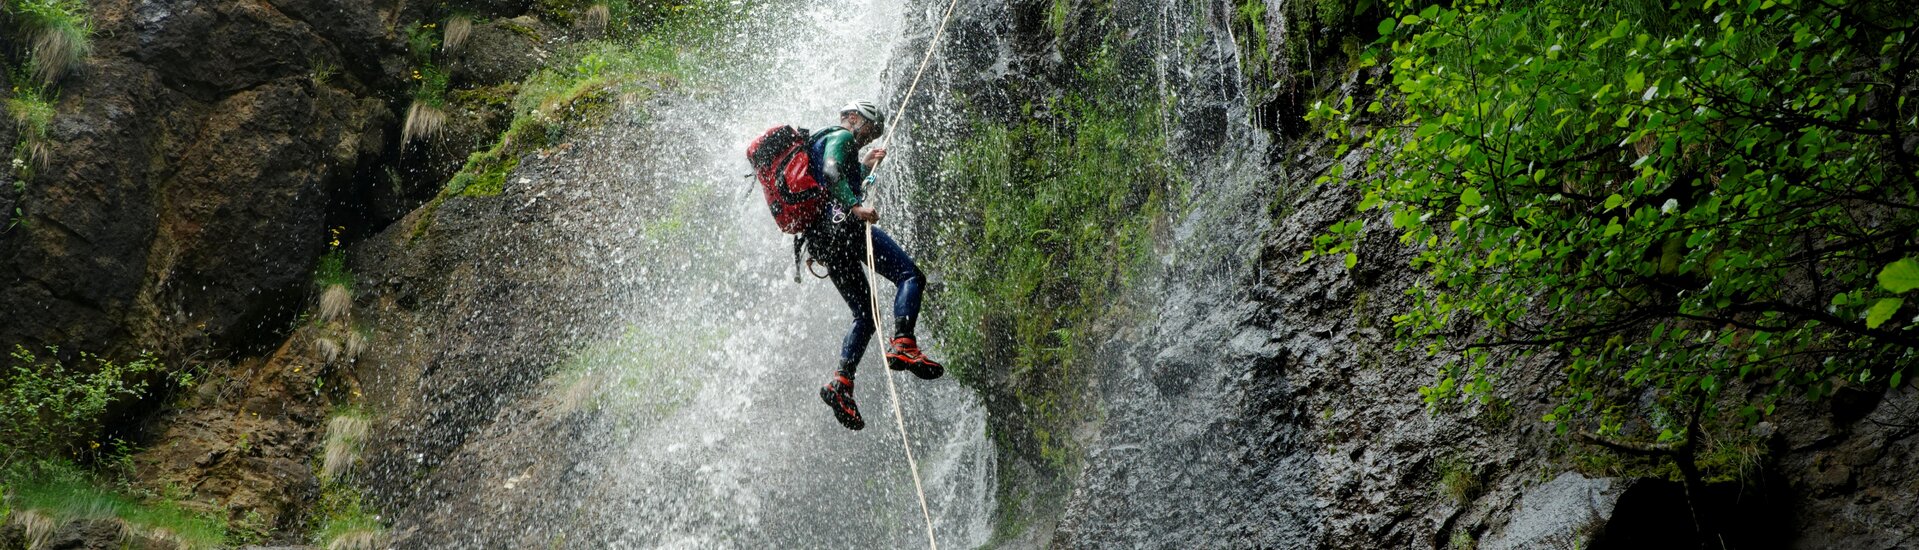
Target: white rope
(872, 291)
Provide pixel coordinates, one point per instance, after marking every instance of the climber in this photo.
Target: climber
(837, 241)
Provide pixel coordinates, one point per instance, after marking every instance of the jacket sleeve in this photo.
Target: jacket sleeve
(840, 165)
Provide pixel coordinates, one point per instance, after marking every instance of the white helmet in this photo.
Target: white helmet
(868, 110)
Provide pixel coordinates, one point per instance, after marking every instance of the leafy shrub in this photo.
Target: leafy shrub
(1668, 199)
(52, 409)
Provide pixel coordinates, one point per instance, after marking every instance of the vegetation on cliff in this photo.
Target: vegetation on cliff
(1050, 216)
(51, 421)
(1692, 206)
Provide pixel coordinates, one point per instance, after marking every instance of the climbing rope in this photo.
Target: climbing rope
(872, 290)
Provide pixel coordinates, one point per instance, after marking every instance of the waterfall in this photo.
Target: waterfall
(698, 421)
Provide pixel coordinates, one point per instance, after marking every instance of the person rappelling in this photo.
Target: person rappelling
(815, 183)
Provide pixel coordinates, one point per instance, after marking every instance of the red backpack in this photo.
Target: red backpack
(781, 163)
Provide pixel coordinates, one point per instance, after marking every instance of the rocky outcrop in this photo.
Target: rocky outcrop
(472, 311)
(243, 441)
(194, 162)
(502, 51)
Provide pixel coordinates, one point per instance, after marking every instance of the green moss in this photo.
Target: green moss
(488, 179)
(522, 30)
(486, 96)
(582, 92)
(1249, 19)
(425, 221)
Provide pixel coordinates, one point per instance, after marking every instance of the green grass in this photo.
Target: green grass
(63, 492)
(1457, 481)
(332, 270)
(32, 110)
(341, 519)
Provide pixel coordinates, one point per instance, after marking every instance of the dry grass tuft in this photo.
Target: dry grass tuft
(458, 27)
(56, 50)
(596, 19)
(345, 434)
(358, 540)
(422, 121)
(356, 344)
(328, 349)
(35, 526)
(38, 153)
(135, 536)
(335, 303)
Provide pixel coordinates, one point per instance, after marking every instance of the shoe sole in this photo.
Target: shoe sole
(925, 371)
(851, 421)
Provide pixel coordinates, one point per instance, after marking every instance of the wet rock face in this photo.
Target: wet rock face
(192, 162)
(501, 51)
(1262, 402)
(1564, 512)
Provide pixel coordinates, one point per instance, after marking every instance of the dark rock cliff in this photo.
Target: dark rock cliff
(194, 163)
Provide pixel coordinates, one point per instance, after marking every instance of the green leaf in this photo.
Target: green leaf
(1614, 201)
(1469, 197)
(1900, 276)
(1882, 311)
(1352, 259)
(1386, 26)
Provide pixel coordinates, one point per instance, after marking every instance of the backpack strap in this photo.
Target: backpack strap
(799, 240)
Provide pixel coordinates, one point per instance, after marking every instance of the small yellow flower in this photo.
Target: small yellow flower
(93, 444)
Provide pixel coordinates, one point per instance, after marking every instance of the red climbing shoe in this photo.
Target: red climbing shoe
(906, 356)
(838, 394)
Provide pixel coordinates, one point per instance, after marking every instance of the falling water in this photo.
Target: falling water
(708, 429)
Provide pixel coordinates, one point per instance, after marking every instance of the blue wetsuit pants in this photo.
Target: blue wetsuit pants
(841, 247)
